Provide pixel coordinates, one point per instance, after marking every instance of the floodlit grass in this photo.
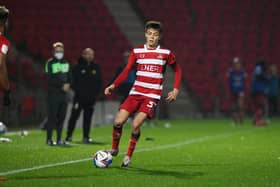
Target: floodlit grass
(206, 152)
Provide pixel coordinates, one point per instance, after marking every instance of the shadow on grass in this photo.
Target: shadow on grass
(162, 172)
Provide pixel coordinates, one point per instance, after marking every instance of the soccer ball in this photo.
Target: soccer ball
(102, 159)
(3, 128)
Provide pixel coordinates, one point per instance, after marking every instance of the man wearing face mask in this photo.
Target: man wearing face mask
(58, 73)
(86, 83)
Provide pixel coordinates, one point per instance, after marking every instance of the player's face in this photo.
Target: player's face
(152, 37)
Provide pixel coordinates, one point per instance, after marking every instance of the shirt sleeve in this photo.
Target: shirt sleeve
(123, 75)
(178, 75)
(171, 59)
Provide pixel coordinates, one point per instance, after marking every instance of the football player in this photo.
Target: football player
(4, 49)
(150, 60)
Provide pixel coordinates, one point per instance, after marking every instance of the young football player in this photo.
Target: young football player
(4, 48)
(150, 61)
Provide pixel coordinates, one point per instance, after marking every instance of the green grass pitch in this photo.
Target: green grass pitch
(208, 152)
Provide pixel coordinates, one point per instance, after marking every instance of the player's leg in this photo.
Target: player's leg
(75, 113)
(52, 117)
(234, 110)
(146, 110)
(61, 117)
(120, 119)
(135, 134)
(241, 108)
(259, 101)
(88, 111)
(4, 81)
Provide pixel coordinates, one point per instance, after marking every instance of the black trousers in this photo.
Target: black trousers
(88, 109)
(56, 114)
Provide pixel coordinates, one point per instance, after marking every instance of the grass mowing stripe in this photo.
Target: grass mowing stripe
(168, 146)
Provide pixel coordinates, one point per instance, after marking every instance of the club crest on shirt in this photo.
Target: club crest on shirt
(142, 55)
(160, 56)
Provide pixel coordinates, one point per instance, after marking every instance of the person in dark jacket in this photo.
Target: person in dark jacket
(58, 73)
(273, 91)
(259, 88)
(125, 87)
(86, 83)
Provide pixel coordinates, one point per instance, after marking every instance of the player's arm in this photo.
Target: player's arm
(122, 76)
(4, 81)
(172, 95)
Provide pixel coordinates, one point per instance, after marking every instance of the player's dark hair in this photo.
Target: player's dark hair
(4, 14)
(154, 25)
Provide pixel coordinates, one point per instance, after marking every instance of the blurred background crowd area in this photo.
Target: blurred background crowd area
(205, 35)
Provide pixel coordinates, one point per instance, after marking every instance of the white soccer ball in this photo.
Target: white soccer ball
(3, 128)
(102, 159)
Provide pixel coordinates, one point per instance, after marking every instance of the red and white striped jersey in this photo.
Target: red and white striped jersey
(150, 66)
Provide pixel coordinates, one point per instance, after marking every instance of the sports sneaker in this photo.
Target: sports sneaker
(126, 161)
(61, 143)
(87, 140)
(51, 143)
(68, 139)
(114, 152)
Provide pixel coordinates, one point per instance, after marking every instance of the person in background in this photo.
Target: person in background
(273, 90)
(4, 49)
(86, 83)
(258, 91)
(58, 77)
(124, 88)
(236, 85)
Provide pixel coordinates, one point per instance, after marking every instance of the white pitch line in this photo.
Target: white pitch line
(168, 146)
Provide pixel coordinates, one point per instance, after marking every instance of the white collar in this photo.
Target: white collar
(145, 47)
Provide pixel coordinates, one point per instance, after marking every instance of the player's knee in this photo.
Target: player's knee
(135, 127)
(118, 122)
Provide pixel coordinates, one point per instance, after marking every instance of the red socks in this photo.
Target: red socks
(116, 136)
(132, 143)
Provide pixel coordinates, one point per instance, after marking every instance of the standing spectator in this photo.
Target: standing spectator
(273, 90)
(87, 82)
(259, 91)
(58, 72)
(4, 48)
(236, 85)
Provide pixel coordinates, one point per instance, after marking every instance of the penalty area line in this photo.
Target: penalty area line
(162, 147)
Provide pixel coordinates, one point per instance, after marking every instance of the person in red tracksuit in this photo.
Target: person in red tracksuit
(150, 60)
(4, 49)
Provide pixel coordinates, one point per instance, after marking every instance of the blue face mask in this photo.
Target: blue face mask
(59, 55)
